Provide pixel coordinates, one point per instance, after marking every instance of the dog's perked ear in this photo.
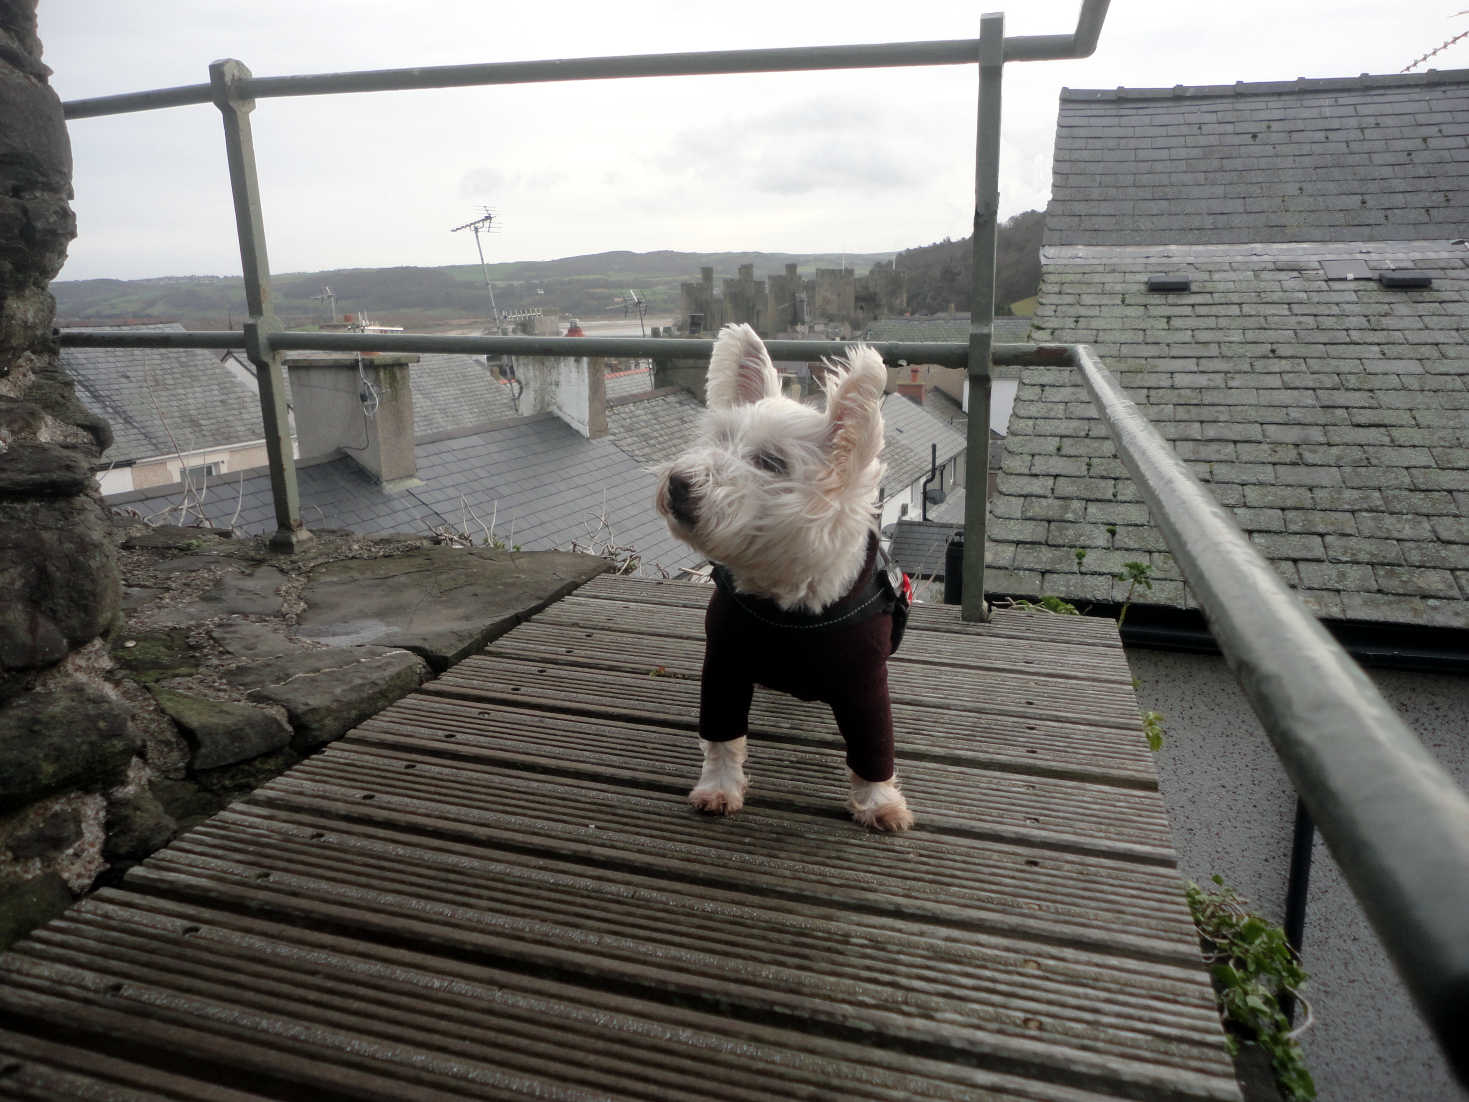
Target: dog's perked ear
(854, 412)
(740, 371)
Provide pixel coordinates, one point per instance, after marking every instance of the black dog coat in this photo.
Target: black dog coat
(838, 656)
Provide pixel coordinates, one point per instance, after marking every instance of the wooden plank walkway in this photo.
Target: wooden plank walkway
(494, 889)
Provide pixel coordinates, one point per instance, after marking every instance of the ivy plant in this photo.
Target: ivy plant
(1253, 966)
(1153, 730)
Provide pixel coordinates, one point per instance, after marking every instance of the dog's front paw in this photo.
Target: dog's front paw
(722, 781)
(879, 804)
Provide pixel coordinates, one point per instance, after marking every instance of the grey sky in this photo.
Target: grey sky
(864, 162)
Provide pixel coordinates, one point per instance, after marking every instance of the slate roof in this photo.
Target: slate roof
(1330, 416)
(146, 394)
(454, 390)
(913, 427)
(1356, 159)
(902, 465)
(655, 427)
(162, 400)
(543, 484)
(919, 547)
(946, 410)
(627, 382)
(1006, 330)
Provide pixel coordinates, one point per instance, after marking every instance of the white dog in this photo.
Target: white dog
(783, 499)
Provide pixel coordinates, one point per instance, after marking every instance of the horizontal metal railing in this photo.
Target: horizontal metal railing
(700, 63)
(939, 353)
(942, 353)
(1393, 818)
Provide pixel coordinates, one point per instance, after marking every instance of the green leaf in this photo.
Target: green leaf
(1226, 974)
(1251, 930)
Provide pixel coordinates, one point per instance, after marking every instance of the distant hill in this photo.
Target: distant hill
(418, 297)
(939, 277)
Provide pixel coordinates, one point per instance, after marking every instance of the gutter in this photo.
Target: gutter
(1373, 645)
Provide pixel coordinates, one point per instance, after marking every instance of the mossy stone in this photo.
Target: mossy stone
(29, 903)
(221, 731)
(72, 738)
(157, 655)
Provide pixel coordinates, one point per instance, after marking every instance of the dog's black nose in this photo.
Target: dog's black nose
(680, 499)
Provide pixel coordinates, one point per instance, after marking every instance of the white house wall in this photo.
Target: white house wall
(893, 507)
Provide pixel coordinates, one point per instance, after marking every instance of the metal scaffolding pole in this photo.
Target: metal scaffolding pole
(982, 310)
(225, 78)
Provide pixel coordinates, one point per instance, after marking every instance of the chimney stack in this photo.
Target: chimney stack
(573, 388)
(360, 405)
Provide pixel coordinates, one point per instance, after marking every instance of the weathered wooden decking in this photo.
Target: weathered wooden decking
(494, 889)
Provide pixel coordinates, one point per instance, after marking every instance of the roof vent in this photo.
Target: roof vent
(1169, 283)
(1347, 269)
(1404, 279)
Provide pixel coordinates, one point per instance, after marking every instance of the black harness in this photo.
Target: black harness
(881, 588)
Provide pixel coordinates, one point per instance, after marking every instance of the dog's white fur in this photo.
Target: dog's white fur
(785, 497)
(798, 536)
(879, 804)
(722, 781)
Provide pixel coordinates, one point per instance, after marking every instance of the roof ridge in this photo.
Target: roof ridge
(1272, 87)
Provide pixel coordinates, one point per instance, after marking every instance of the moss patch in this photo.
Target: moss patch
(156, 655)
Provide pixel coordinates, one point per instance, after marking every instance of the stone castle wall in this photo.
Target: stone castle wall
(65, 737)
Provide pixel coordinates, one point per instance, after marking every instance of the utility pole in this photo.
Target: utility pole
(484, 223)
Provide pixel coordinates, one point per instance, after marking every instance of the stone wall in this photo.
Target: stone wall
(834, 294)
(65, 737)
(837, 298)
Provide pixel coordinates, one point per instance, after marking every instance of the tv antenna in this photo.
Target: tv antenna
(484, 224)
(634, 301)
(328, 297)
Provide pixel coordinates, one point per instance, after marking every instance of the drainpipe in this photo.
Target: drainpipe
(933, 470)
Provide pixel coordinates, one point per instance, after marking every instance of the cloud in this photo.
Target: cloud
(481, 183)
(485, 184)
(824, 144)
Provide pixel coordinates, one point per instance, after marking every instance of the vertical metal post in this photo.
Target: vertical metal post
(250, 227)
(982, 310)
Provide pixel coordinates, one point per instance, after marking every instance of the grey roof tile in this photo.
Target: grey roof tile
(655, 427)
(453, 390)
(161, 401)
(1333, 453)
(1260, 162)
(919, 547)
(1006, 330)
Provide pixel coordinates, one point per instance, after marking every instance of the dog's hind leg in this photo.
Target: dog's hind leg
(722, 781)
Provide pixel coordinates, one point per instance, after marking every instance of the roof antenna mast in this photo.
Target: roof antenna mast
(485, 224)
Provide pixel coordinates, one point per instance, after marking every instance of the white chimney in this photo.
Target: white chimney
(575, 389)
